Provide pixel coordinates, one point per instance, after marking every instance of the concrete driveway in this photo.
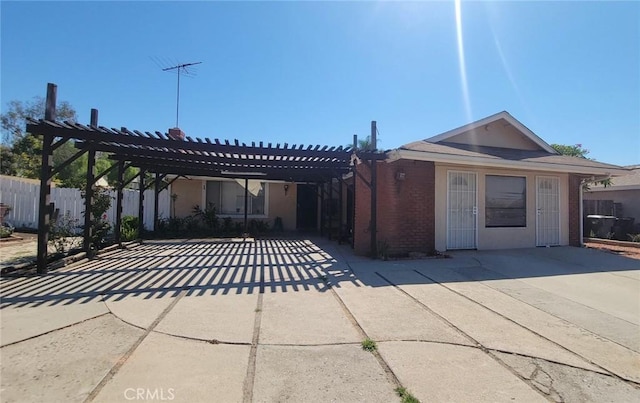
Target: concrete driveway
(283, 320)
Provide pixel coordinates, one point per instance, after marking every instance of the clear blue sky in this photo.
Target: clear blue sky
(317, 73)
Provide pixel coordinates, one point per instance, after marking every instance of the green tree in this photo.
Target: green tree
(573, 151)
(23, 150)
(13, 120)
(7, 160)
(580, 152)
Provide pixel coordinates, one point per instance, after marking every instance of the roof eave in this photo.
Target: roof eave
(614, 188)
(501, 163)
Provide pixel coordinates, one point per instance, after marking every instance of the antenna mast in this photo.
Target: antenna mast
(179, 68)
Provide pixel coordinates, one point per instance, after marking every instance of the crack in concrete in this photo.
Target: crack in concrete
(605, 370)
(468, 336)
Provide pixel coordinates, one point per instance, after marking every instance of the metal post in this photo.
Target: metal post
(374, 193)
(120, 184)
(44, 210)
(141, 204)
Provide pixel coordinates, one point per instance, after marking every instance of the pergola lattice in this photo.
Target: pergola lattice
(162, 155)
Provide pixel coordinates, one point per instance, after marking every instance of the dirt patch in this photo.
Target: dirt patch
(24, 248)
(627, 251)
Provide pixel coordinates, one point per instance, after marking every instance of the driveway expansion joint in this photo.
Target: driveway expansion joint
(96, 390)
(585, 359)
(477, 343)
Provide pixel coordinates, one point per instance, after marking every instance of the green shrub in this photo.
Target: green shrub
(5, 231)
(62, 232)
(129, 228)
(209, 215)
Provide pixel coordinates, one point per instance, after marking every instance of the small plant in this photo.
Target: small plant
(258, 227)
(100, 227)
(227, 226)
(405, 396)
(62, 233)
(129, 228)
(175, 224)
(369, 345)
(191, 224)
(634, 237)
(209, 215)
(383, 250)
(5, 230)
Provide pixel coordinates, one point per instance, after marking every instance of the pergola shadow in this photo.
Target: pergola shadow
(167, 268)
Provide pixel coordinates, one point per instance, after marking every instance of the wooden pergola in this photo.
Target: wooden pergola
(162, 155)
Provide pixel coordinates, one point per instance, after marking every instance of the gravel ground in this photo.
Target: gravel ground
(627, 251)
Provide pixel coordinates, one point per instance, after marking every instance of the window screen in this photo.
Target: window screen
(505, 201)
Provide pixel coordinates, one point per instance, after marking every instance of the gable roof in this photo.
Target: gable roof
(484, 123)
(450, 147)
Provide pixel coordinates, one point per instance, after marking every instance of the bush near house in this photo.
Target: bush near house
(205, 222)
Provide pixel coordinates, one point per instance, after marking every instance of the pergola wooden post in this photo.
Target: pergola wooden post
(88, 191)
(120, 186)
(374, 194)
(141, 203)
(44, 211)
(330, 208)
(156, 193)
(162, 155)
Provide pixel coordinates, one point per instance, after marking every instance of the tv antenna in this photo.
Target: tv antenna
(181, 68)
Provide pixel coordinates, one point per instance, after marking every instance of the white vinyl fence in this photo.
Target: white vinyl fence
(23, 198)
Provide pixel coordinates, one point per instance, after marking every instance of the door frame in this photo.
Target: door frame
(475, 209)
(559, 222)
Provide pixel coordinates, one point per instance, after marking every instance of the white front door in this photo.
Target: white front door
(548, 211)
(461, 210)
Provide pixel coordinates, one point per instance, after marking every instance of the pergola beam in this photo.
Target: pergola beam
(162, 155)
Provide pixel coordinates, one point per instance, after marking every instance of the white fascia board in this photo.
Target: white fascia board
(499, 163)
(531, 135)
(490, 119)
(613, 188)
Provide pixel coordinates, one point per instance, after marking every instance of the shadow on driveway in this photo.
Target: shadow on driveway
(166, 268)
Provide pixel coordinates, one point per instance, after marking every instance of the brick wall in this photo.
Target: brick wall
(406, 207)
(574, 210)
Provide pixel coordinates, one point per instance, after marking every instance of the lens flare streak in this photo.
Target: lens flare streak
(461, 61)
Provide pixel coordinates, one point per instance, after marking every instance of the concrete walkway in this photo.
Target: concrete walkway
(283, 320)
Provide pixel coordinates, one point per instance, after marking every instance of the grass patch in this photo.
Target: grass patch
(369, 345)
(405, 396)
